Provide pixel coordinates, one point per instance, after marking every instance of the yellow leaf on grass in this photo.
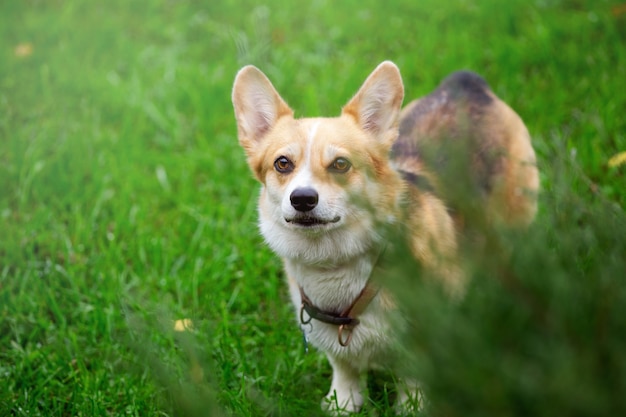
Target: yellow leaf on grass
(23, 50)
(617, 160)
(183, 325)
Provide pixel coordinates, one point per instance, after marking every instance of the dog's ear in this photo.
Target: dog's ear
(376, 106)
(257, 106)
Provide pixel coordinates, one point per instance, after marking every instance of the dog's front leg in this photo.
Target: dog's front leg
(345, 395)
(410, 398)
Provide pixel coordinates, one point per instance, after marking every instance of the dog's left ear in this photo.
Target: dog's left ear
(376, 106)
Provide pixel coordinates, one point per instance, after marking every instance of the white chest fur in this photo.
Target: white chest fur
(334, 290)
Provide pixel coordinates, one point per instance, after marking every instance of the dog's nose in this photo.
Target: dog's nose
(304, 199)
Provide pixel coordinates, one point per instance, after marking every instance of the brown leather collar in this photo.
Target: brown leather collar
(347, 320)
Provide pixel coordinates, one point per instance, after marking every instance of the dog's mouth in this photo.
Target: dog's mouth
(310, 221)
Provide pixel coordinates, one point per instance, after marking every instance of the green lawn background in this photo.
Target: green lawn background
(125, 201)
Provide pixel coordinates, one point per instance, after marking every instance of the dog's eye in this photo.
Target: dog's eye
(283, 165)
(340, 165)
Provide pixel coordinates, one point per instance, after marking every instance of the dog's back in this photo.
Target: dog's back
(471, 145)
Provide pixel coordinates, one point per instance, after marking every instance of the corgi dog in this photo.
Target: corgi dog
(329, 186)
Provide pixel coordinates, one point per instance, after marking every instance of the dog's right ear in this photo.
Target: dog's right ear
(257, 106)
(376, 106)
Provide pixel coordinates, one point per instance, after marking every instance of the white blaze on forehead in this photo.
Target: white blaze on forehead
(304, 175)
(309, 142)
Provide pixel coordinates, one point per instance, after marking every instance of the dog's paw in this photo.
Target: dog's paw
(336, 404)
(409, 402)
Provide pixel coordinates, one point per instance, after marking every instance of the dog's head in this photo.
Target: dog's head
(320, 176)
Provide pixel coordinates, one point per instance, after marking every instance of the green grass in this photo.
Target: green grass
(126, 202)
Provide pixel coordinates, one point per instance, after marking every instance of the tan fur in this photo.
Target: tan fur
(327, 223)
(514, 200)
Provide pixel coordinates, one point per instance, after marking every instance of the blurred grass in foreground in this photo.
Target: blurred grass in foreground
(540, 330)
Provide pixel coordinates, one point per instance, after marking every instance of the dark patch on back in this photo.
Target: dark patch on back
(444, 131)
(461, 89)
(467, 85)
